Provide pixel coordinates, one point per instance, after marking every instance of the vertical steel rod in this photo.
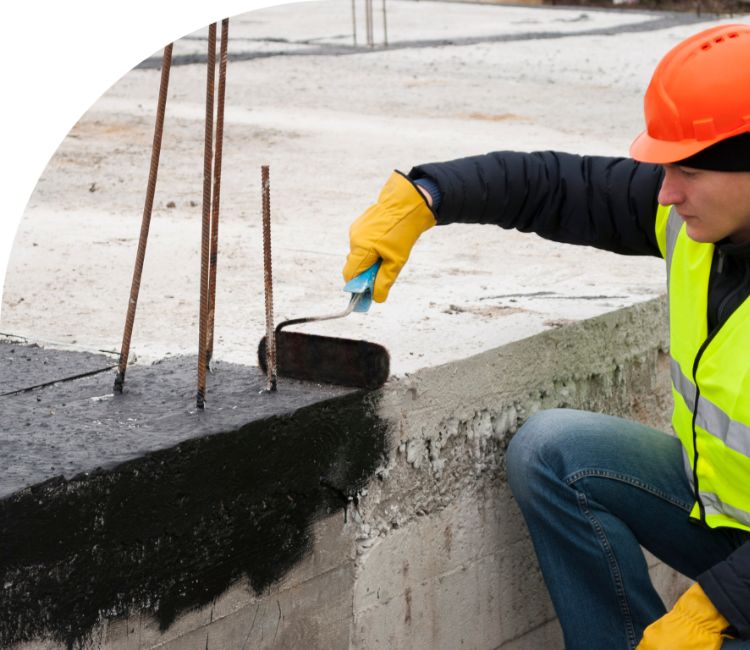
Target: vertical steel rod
(216, 195)
(354, 23)
(145, 221)
(372, 24)
(268, 280)
(385, 26)
(368, 22)
(206, 222)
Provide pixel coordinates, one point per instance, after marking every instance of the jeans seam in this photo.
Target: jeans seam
(626, 478)
(614, 568)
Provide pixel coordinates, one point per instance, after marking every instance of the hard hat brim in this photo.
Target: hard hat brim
(650, 150)
(647, 149)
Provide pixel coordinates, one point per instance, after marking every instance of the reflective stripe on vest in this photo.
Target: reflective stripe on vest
(733, 434)
(710, 381)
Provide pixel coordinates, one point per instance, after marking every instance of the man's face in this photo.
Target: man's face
(713, 205)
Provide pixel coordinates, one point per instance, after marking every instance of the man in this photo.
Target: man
(594, 488)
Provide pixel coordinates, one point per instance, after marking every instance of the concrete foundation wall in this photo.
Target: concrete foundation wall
(434, 552)
(449, 562)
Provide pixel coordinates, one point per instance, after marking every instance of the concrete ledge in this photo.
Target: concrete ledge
(428, 549)
(162, 509)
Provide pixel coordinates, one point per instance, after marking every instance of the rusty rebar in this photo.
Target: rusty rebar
(206, 221)
(268, 280)
(135, 285)
(216, 195)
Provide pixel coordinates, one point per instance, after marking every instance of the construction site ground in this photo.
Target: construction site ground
(332, 119)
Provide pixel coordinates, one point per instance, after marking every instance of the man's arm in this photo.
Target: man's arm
(727, 584)
(609, 203)
(718, 605)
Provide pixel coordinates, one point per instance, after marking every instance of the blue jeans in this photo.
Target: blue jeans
(593, 489)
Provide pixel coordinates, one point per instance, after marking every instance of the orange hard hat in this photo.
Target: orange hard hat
(699, 95)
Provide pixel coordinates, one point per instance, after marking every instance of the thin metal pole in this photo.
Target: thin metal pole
(146, 219)
(354, 23)
(206, 223)
(368, 22)
(268, 280)
(215, 201)
(385, 26)
(372, 24)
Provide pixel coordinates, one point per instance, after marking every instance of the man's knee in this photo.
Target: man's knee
(539, 431)
(536, 443)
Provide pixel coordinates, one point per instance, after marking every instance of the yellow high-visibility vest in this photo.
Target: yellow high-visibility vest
(710, 381)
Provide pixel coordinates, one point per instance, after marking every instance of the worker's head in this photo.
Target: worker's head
(697, 110)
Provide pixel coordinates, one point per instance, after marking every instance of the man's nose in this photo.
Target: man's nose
(670, 192)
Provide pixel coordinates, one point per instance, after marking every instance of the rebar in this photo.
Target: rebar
(368, 23)
(385, 26)
(354, 23)
(206, 221)
(216, 195)
(135, 285)
(268, 280)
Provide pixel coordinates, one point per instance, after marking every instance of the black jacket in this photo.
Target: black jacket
(608, 203)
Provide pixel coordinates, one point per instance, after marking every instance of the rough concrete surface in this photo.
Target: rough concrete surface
(433, 553)
(445, 510)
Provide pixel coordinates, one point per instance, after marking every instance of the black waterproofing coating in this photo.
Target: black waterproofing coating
(607, 203)
(153, 510)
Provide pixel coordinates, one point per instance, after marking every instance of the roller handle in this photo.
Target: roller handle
(361, 287)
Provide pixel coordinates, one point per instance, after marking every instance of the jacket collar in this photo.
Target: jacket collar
(740, 251)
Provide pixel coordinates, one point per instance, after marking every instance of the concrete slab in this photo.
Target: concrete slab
(274, 533)
(140, 502)
(79, 426)
(26, 366)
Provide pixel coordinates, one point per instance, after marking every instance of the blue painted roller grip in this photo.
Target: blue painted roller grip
(363, 283)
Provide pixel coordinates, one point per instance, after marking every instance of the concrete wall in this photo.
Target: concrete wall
(434, 552)
(447, 562)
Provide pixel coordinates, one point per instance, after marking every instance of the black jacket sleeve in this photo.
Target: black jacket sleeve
(727, 584)
(609, 203)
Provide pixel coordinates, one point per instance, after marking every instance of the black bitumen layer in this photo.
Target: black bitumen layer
(140, 502)
(23, 367)
(78, 425)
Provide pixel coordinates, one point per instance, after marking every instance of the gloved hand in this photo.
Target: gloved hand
(388, 230)
(692, 624)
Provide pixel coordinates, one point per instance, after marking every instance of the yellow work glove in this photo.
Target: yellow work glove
(387, 231)
(692, 624)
